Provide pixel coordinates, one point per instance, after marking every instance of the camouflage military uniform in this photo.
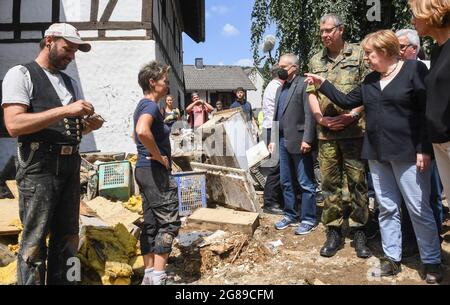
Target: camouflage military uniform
(339, 151)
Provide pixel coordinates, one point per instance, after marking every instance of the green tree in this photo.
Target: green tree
(297, 23)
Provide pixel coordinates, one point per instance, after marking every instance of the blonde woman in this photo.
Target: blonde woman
(170, 114)
(432, 18)
(396, 146)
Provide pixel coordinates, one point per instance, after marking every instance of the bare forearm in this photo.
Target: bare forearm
(210, 108)
(27, 123)
(358, 109)
(315, 108)
(189, 108)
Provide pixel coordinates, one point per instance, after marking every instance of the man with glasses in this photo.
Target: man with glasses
(296, 135)
(409, 49)
(409, 43)
(340, 135)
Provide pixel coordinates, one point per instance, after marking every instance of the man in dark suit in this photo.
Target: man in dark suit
(296, 134)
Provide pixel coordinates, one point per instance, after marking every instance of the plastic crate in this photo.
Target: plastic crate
(255, 173)
(191, 191)
(114, 180)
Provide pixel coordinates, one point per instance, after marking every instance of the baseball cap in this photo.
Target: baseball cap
(69, 33)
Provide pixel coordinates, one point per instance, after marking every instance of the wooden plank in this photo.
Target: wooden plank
(223, 219)
(9, 213)
(81, 26)
(12, 185)
(112, 213)
(230, 187)
(85, 39)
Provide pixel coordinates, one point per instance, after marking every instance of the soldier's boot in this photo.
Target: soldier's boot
(360, 243)
(334, 242)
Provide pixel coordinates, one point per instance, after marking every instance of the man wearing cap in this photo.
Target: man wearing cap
(45, 109)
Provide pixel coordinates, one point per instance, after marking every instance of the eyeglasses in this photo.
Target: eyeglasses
(287, 67)
(329, 31)
(405, 46)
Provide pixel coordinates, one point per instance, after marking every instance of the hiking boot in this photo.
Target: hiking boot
(433, 273)
(334, 242)
(360, 243)
(388, 267)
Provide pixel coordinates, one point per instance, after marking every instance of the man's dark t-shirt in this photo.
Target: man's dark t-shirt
(160, 131)
(246, 107)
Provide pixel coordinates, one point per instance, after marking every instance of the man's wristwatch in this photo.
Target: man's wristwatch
(354, 114)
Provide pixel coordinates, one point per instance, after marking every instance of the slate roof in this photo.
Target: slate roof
(216, 78)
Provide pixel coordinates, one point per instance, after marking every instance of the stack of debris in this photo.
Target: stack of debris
(224, 150)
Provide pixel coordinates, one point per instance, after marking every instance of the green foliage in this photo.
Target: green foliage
(297, 23)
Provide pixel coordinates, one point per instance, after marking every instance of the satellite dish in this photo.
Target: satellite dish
(268, 44)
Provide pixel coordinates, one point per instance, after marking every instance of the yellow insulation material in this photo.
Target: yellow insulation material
(134, 204)
(107, 252)
(8, 274)
(133, 160)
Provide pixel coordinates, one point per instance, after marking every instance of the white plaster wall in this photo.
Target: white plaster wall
(125, 10)
(75, 10)
(108, 77)
(35, 11)
(16, 53)
(254, 97)
(175, 86)
(6, 11)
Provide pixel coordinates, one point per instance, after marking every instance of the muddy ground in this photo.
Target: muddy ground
(238, 260)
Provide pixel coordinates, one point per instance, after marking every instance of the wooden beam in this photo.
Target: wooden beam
(146, 10)
(82, 26)
(16, 17)
(55, 10)
(86, 39)
(94, 10)
(106, 15)
(108, 10)
(147, 15)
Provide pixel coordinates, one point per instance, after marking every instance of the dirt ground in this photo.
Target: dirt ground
(238, 260)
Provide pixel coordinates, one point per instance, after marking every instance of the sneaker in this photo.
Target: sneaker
(284, 223)
(147, 280)
(304, 229)
(159, 280)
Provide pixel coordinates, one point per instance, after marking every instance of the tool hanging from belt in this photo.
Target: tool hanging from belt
(34, 146)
